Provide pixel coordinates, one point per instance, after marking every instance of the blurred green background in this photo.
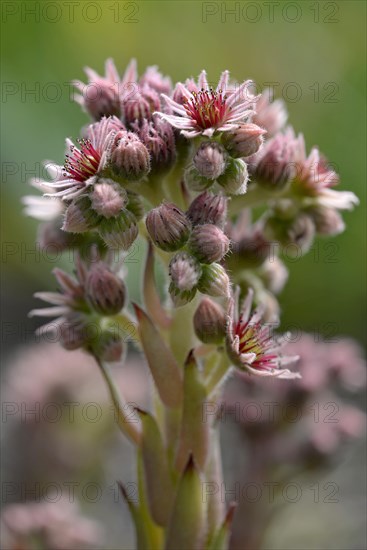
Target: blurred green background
(313, 51)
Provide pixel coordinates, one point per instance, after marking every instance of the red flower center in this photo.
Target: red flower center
(207, 107)
(82, 163)
(255, 338)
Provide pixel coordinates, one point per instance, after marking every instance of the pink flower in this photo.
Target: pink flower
(103, 95)
(270, 114)
(315, 177)
(84, 163)
(201, 110)
(250, 344)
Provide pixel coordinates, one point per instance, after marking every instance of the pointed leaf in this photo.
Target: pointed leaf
(156, 471)
(163, 366)
(220, 540)
(142, 540)
(186, 529)
(194, 437)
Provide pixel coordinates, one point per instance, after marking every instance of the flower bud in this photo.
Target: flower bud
(297, 234)
(185, 271)
(168, 227)
(50, 236)
(249, 252)
(214, 281)
(141, 105)
(107, 199)
(271, 115)
(154, 79)
(119, 232)
(208, 208)
(235, 178)
(276, 167)
(105, 291)
(208, 243)
(274, 274)
(158, 137)
(245, 140)
(79, 216)
(75, 332)
(194, 180)
(135, 204)
(129, 157)
(101, 99)
(109, 346)
(210, 160)
(181, 297)
(210, 322)
(328, 221)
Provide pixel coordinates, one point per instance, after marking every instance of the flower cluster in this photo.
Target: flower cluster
(181, 167)
(83, 308)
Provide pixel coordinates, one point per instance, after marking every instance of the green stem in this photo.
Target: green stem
(173, 180)
(255, 196)
(217, 375)
(126, 424)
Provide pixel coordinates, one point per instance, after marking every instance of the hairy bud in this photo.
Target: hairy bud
(210, 160)
(208, 208)
(135, 204)
(119, 232)
(108, 346)
(101, 99)
(249, 252)
(245, 140)
(168, 227)
(328, 221)
(274, 274)
(107, 199)
(235, 178)
(141, 105)
(214, 281)
(208, 243)
(210, 322)
(129, 157)
(194, 180)
(50, 236)
(185, 271)
(297, 234)
(276, 166)
(75, 332)
(105, 291)
(79, 216)
(158, 137)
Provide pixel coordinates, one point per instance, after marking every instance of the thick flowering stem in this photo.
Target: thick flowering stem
(130, 429)
(218, 375)
(255, 196)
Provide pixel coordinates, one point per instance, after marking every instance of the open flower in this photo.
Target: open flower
(42, 208)
(84, 163)
(250, 345)
(315, 177)
(201, 110)
(103, 95)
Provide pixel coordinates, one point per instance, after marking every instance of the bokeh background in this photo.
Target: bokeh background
(312, 52)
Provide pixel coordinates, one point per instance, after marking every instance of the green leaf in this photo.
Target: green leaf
(163, 366)
(186, 528)
(220, 540)
(194, 436)
(156, 471)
